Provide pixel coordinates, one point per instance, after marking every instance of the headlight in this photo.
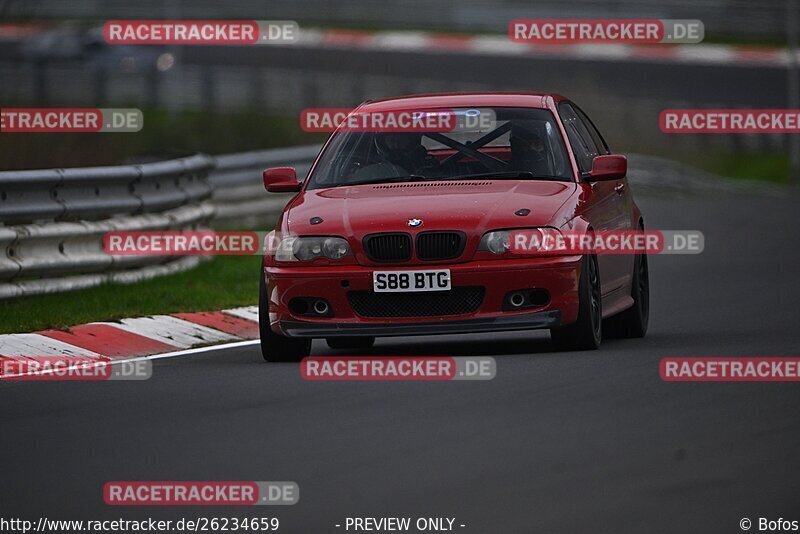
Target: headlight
(496, 242)
(335, 248)
(537, 241)
(311, 248)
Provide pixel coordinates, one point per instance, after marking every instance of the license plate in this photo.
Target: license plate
(397, 281)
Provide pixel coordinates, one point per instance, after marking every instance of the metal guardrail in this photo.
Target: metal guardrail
(52, 222)
(95, 193)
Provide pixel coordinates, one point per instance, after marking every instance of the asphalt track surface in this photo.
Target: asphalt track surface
(557, 442)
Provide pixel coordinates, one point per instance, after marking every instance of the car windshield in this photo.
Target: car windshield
(518, 143)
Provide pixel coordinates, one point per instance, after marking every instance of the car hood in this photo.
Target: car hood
(470, 206)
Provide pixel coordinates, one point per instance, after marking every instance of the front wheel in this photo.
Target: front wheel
(587, 332)
(274, 347)
(632, 323)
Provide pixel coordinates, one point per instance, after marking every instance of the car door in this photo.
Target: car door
(623, 205)
(604, 209)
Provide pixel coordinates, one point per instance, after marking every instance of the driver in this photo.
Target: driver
(404, 150)
(529, 153)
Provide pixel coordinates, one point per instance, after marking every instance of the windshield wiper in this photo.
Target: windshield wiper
(403, 178)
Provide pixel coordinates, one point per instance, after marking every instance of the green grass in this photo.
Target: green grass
(224, 282)
(772, 167)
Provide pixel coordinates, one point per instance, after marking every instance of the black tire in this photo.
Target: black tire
(632, 323)
(274, 347)
(587, 332)
(350, 342)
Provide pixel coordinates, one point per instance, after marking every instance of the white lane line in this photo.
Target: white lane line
(248, 313)
(172, 331)
(36, 345)
(196, 350)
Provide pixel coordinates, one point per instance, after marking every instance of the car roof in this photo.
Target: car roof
(456, 100)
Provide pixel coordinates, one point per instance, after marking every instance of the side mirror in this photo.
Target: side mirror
(281, 180)
(608, 168)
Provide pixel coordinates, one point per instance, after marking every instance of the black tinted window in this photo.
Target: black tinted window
(599, 142)
(582, 142)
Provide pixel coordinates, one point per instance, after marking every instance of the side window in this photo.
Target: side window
(601, 144)
(582, 142)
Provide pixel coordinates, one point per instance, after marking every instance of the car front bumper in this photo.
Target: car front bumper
(517, 321)
(558, 275)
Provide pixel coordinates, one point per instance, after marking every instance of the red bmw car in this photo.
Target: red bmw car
(407, 233)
